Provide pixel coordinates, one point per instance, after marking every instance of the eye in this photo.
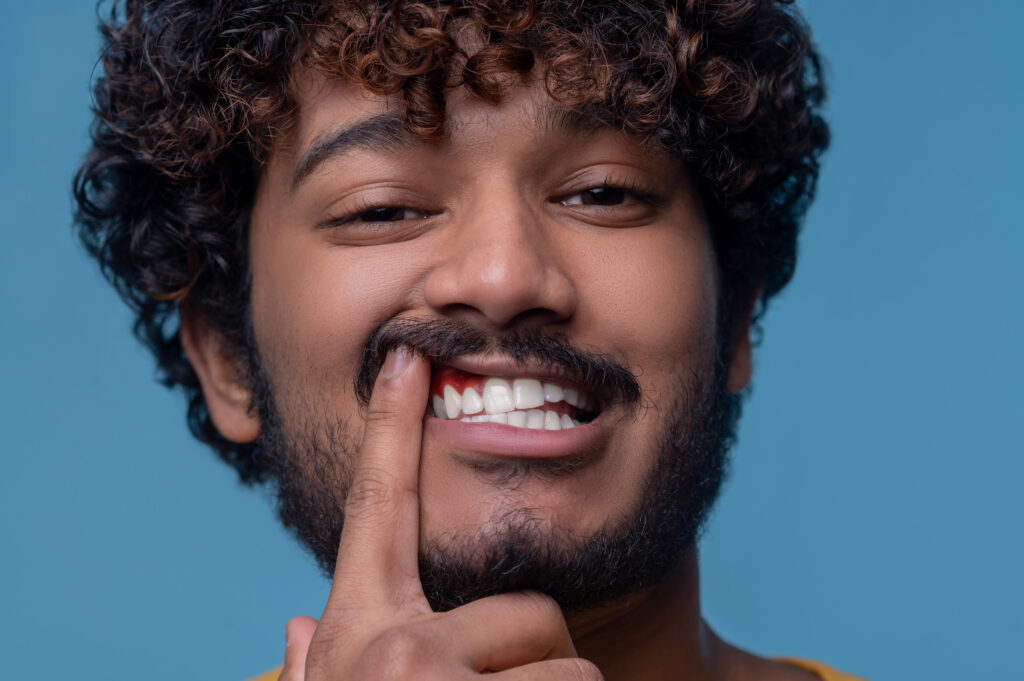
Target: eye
(613, 202)
(378, 215)
(600, 196)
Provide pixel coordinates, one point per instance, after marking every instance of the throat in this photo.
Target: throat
(655, 633)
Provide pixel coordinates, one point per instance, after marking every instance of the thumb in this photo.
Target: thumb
(298, 634)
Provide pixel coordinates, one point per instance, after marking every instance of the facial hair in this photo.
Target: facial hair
(310, 466)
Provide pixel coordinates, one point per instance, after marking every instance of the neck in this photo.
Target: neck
(656, 634)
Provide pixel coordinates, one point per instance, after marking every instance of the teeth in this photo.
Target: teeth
(528, 393)
(572, 396)
(471, 402)
(553, 393)
(535, 419)
(452, 401)
(498, 396)
(516, 402)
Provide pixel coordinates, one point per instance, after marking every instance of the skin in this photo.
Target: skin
(495, 235)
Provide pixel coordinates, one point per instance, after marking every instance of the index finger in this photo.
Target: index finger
(379, 548)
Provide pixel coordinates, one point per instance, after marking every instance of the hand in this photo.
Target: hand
(378, 625)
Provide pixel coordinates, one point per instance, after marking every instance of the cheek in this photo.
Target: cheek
(655, 295)
(315, 305)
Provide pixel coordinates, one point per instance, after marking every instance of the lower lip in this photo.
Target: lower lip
(510, 442)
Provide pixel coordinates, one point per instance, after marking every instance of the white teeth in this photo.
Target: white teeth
(553, 393)
(471, 402)
(516, 402)
(535, 419)
(452, 401)
(498, 396)
(528, 393)
(572, 396)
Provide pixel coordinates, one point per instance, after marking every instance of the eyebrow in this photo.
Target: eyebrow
(387, 132)
(383, 132)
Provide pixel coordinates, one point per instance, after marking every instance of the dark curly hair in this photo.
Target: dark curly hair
(194, 93)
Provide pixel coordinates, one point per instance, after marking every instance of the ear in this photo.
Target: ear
(741, 365)
(228, 399)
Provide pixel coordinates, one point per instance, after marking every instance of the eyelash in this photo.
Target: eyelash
(368, 206)
(631, 187)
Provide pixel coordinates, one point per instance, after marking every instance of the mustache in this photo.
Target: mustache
(442, 340)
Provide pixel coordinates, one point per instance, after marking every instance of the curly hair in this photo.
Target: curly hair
(194, 93)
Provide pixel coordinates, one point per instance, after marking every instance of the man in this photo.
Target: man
(476, 278)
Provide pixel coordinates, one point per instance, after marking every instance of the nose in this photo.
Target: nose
(501, 267)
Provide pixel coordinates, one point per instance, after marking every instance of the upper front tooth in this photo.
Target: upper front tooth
(572, 396)
(528, 393)
(471, 402)
(452, 401)
(553, 392)
(438, 403)
(498, 396)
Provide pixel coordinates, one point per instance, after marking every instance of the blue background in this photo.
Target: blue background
(873, 516)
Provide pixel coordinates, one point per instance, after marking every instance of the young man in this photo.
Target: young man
(477, 278)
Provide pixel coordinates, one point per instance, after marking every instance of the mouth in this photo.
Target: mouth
(524, 402)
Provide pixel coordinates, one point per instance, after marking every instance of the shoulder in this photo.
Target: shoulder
(822, 671)
(269, 676)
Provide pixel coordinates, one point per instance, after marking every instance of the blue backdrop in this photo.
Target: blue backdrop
(873, 516)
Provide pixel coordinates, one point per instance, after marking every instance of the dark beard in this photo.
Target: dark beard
(311, 472)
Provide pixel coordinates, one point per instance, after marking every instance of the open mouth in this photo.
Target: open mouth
(520, 402)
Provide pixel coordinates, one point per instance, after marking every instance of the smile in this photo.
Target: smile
(520, 402)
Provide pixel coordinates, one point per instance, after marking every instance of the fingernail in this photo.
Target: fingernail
(396, 363)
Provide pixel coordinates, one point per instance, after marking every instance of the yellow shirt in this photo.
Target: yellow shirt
(825, 672)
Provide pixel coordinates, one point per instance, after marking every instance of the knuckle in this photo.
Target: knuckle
(382, 412)
(545, 609)
(583, 670)
(397, 654)
(370, 490)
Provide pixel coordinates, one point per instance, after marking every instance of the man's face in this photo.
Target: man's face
(518, 224)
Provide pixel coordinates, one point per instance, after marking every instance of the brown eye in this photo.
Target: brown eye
(377, 215)
(600, 196)
(386, 214)
(604, 196)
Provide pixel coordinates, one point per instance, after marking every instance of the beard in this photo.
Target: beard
(310, 467)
